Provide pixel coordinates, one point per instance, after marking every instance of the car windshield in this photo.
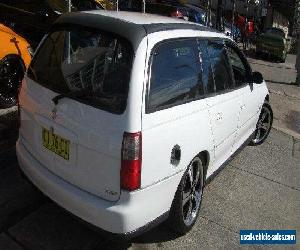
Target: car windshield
(276, 32)
(93, 62)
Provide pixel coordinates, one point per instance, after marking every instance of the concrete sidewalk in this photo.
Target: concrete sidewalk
(284, 95)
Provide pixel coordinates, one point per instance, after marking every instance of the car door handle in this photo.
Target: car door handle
(243, 107)
(219, 116)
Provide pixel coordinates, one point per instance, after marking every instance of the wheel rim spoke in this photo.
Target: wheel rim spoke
(263, 125)
(197, 198)
(186, 196)
(191, 175)
(196, 180)
(264, 115)
(258, 134)
(189, 211)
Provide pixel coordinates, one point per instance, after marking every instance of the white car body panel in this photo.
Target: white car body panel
(224, 119)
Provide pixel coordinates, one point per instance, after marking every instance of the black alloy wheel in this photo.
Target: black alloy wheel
(263, 126)
(11, 75)
(188, 197)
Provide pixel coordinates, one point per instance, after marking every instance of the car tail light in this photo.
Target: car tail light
(177, 14)
(131, 161)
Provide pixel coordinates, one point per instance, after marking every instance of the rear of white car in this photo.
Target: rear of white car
(79, 142)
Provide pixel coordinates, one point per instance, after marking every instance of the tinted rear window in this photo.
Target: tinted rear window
(176, 76)
(89, 61)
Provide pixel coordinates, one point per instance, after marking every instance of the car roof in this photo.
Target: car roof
(136, 17)
(133, 26)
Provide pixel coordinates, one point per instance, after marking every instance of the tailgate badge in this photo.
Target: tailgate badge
(53, 113)
(110, 192)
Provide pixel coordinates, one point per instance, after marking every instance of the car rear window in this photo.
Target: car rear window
(176, 75)
(94, 64)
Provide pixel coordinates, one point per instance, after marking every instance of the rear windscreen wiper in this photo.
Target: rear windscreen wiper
(72, 95)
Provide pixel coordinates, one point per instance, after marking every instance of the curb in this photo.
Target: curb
(282, 93)
(286, 131)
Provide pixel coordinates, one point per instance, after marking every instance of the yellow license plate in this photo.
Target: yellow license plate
(56, 144)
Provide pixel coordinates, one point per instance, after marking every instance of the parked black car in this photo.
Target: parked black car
(32, 18)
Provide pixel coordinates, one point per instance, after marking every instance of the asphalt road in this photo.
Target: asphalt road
(259, 189)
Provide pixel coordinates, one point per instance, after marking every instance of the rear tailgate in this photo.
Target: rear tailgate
(95, 144)
(80, 137)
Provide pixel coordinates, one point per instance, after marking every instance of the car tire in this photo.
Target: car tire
(12, 71)
(187, 201)
(263, 126)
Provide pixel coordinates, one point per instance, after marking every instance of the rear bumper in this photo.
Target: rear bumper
(130, 215)
(274, 51)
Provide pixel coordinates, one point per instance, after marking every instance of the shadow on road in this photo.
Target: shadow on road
(268, 60)
(277, 82)
(274, 65)
(293, 120)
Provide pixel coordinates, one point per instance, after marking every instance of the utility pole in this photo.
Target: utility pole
(208, 18)
(297, 37)
(144, 6)
(232, 20)
(68, 36)
(245, 40)
(219, 15)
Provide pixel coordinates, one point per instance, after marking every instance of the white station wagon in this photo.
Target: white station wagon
(124, 117)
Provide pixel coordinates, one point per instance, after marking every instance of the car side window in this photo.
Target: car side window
(175, 74)
(207, 74)
(220, 66)
(239, 67)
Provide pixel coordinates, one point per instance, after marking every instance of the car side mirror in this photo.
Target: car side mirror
(257, 77)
